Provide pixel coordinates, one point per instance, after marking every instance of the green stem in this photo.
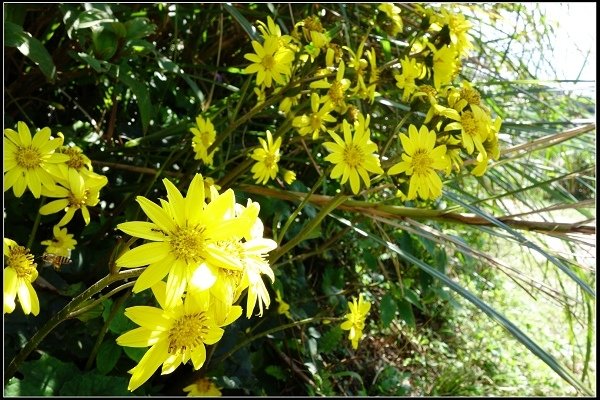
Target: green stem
(293, 216)
(63, 315)
(327, 208)
(270, 331)
(36, 224)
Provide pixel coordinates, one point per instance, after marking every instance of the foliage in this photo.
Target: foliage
(402, 155)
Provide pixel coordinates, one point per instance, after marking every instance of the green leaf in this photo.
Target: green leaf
(276, 372)
(42, 377)
(405, 312)
(108, 355)
(388, 309)
(92, 384)
(138, 28)
(14, 36)
(97, 65)
(135, 353)
(246, 25)
(331, 339)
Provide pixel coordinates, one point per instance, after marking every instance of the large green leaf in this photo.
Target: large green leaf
(15, 36)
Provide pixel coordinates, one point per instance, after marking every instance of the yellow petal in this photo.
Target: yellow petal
(143, 255)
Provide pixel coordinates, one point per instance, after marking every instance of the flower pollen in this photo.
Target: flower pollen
(421, 162)
(187, 332)
(353, 156)
(188, 243)
(28, 158)
(22, 262)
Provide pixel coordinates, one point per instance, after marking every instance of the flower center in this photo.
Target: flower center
(315, 121)
(270, 161)
(336, 92)
(188, 244)
(22, 262)
(472, 96)
(187, 332)
(421, 162)
(205, 137)
(28, 158)
(76, 160)
(76, 201)
(353, 156)
(268, 62)
(469, 123)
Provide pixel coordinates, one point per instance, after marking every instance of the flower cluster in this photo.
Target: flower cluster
(211, 253)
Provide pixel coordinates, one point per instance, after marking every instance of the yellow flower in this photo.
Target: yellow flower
(314, 123)
(175, 333)
(336, 89)
(355, 319)
(353, 156)
(251, 255)
(77, 161)
(266, 158)
(475, 126)
(204, 136)
(289, 176)
(61, 244)
(411, 70)
(446, 65)
(184, 232)
(74, 194)
(27, 160)
(419, 161)
(272, 30)
(492, 149)
(283, 307)
(270, 61)
(458, 27)
(19, 272)
(203, 387)
(393, 12)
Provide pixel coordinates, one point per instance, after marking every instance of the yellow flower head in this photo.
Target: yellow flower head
(289, 176)
(76, 193)
(419, 161)
(355, 319)
(19, 272)
(411, 70)
(27, 160)
(336, 89)
(446, 65)
(203, 387)
(185, 233)
(315, 122)
(175, 334)
(266, 158)
(61, 244)
(77, 161)
(271, 62)
(393, 13)
(354, 155)
(204, 136)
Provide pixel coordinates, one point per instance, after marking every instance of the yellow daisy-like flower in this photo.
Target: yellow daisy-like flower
(19, 272)
(266, 158)
(77, 161)
(315, 122)
(61, 244)
(203, 387)
(393, 12)
(446, 65)
(458, 27)
(336, 90)
(27, 159)
(250, 254)
(75, 194)
(475, 125)
(185, 232)
(289, 176)
(355, 319)
(175, 333)
(271, 62)
(353, 156)
(419, 161)
(411, 70)
(204, 136)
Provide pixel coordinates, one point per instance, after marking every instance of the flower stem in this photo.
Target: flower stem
(63, 315)
(36, 224)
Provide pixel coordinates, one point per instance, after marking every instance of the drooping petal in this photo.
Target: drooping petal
(143, 255)
(149, 363)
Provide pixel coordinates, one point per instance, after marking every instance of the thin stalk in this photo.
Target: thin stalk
(36, 224)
